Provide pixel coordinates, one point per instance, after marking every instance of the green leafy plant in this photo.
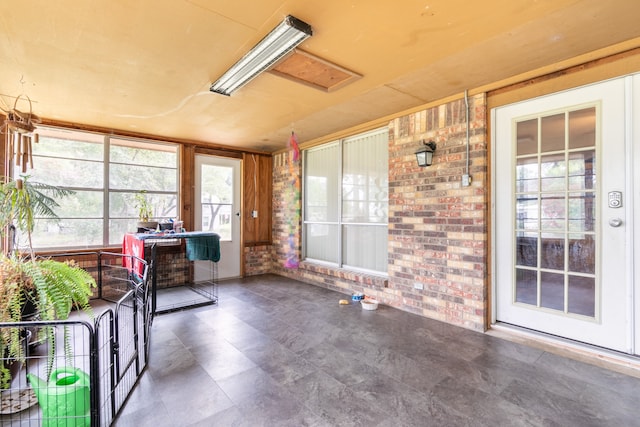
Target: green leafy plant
(144, 208)
(52, 288)
(22, 200)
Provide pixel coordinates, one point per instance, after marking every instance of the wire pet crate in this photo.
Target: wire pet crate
(202, 252)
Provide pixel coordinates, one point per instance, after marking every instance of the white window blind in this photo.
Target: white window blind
(346, 202)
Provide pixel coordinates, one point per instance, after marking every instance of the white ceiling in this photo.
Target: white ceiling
(145, 66)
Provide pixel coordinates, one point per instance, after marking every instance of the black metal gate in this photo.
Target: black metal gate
(108, 353)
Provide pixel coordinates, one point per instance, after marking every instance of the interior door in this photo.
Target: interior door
(217, 209)
(562, 263)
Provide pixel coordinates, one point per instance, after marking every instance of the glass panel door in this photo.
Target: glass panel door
(562, 265)
(217, 206)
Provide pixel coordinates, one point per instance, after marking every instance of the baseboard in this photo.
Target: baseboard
(608, 359)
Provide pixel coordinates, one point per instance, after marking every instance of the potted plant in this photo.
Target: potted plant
(52, 288)
(145, 212)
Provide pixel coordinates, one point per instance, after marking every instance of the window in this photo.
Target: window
(346, 202)
(105, 172)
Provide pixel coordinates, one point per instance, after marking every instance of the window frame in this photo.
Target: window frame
(340, 222)
(106, 190)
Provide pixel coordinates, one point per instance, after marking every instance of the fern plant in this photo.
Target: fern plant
(54, 288)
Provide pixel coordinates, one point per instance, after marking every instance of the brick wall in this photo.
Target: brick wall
(286, 229)
(257, 260)
(437, 228)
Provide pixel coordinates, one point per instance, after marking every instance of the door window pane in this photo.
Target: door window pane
(526, 286)
(582, 128)
(582, 171)
(553, 169)
(552, 212)
(552, 133)
(527, 137)
(552, 290)
(582, 212)
(552, 251)
(216, 198)
(527, 176)
(527, 214)
(582, 295)
(527, 250)
(582, 253)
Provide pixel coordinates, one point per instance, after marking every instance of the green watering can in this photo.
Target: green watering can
(65, 400)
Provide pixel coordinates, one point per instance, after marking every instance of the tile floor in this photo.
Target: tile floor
(276, 352)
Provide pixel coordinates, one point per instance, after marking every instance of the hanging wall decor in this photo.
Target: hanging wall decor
(293, 201)
(20, 133)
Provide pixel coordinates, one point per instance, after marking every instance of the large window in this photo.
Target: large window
(105, 173)
(346, 202)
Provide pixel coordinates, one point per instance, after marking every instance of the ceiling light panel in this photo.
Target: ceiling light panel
(280, 41)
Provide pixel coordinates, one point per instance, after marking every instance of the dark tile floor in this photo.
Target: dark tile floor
(277, 352)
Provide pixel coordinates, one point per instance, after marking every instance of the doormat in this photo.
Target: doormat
(16, 400)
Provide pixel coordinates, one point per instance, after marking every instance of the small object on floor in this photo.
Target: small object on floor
(369, 304)
(343, 302)
(357, 296)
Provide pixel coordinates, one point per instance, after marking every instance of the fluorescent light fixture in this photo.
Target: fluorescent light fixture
(280, 41)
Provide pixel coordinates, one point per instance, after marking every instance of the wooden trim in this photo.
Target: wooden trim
(597, 70)
(123, 133)
(218, 152)
(187, 186)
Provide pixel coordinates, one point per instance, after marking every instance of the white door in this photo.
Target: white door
(563, 213)
(217, 207)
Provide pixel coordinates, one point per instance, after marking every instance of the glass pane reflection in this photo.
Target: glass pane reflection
(552, 173)
(526, 286)
(552, 212)
(582, 211)
(552, 252)
(527, 212)
(582, 253)
(552, 133)
(527, 249)
(582, 128)
(582, 170)
(527, 175)
(527, 134)
(552, 290)
(582, 295)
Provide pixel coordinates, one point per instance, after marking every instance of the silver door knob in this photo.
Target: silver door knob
(615, 222)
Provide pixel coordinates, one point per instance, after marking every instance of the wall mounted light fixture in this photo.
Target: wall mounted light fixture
(280, 41)
(424, 156)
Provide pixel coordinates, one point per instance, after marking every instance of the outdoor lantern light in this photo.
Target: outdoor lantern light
(280, 41)
(424, 156)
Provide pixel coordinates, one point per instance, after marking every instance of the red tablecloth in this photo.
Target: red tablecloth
(133, 246)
